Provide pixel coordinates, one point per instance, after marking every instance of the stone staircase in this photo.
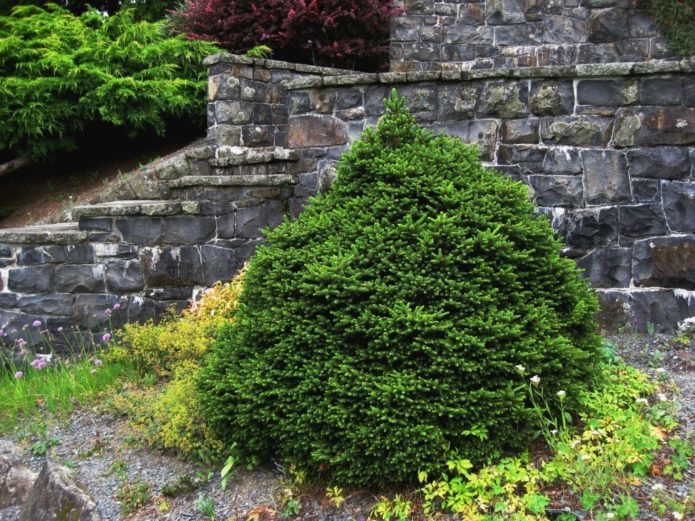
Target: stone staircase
(159, 236)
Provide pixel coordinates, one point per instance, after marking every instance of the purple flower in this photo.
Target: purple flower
(116, 306)
(98, 362)
(13, 331)
(21, 343)
(106, 337)
(36, 323)
(38, 363)
(60, 329)
(18, 375)
(2, 332)
(107, 312)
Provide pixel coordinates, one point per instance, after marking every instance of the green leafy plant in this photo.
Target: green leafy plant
(381, 330)
(133, 495)
(62, 75)
(259, 51)
(206, 506)
(676, 19)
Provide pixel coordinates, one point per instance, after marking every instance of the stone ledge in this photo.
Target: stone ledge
(233, 155)
(234, 180)
(235, 59)
(61, 233)
(587, 70)
(149, 208)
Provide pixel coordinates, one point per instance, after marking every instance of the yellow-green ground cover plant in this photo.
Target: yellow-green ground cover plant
(380, 334)
(167, 414)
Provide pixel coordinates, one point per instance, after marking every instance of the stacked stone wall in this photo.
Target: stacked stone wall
(452, 34)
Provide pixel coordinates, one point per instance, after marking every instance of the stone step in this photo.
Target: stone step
(234, 180)
(151, 208)
(61, 233)
(235, 155)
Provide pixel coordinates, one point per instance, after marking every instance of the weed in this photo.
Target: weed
(681, 452)
(182, 485)
(119, 468)
(206, 506)
(41, 447)
(133, 495)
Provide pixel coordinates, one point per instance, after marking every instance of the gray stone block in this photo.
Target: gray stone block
(457, 102)
(616, 313)
(641, 220)
(607, 25)
(171, 266)
(503, 99)
(661, 91)
(655, 126)
(665, 262)
(90, 311)
(188, 230)
(646, 190)
(660, 163)
(79, 254)
(552, 98)
(32, 255)
(679, 205)
(607, 267)
(8, 300)
(662, 308)
(689, 90)
(79, 279)
(520, 131)
(5, 251)
(124, 276)
(55, 304)
(504, 12)
(588, 228)
(34, 279)
(219, 264)
(348, 98)
(141, 230)
(482, 132)
(584, 131)
(606, 178)
(305, 131)
(555, 190)
(562, 161)
(614, 93)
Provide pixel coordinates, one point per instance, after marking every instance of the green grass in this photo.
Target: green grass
(58, 388)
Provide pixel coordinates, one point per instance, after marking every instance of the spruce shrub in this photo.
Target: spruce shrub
(379, 334)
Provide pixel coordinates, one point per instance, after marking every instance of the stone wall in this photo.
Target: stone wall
(453, 34)
(203, 221)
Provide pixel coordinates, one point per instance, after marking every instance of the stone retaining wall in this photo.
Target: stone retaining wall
(607, 150)
(145, 255)
(473, 34)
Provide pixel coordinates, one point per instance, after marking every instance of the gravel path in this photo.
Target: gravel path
(98, 448)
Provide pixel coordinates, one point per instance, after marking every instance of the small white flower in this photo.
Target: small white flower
(575, 443)
(536, 380)
(554, 432)
(520, 368)
(585, 457)
(561, 394)
(610, 515)
(659, 370)
(662, 397)
(677, 515)
(642, 401)
(656, 487)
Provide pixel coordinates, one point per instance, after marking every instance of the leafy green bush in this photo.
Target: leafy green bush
(380, 333)
(676, 19)
(60, 74)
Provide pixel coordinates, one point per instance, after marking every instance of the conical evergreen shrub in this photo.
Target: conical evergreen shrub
(379, 334)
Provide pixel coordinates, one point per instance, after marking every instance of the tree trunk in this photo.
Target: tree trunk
(15, 164)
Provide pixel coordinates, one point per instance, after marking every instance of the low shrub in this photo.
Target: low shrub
(61, 74)
(338, 33)
(169, 415)
(676, 19)
(384, 330)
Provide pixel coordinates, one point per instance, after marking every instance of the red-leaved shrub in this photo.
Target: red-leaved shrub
(338, 33)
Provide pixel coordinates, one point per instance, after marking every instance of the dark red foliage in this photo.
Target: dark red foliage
(350, 34)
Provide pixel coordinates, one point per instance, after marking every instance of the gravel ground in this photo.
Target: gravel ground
(97, 446)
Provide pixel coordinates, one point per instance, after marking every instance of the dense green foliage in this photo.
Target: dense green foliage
(379, 334)
(676, 19)
(144, 9)
(61, 74)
